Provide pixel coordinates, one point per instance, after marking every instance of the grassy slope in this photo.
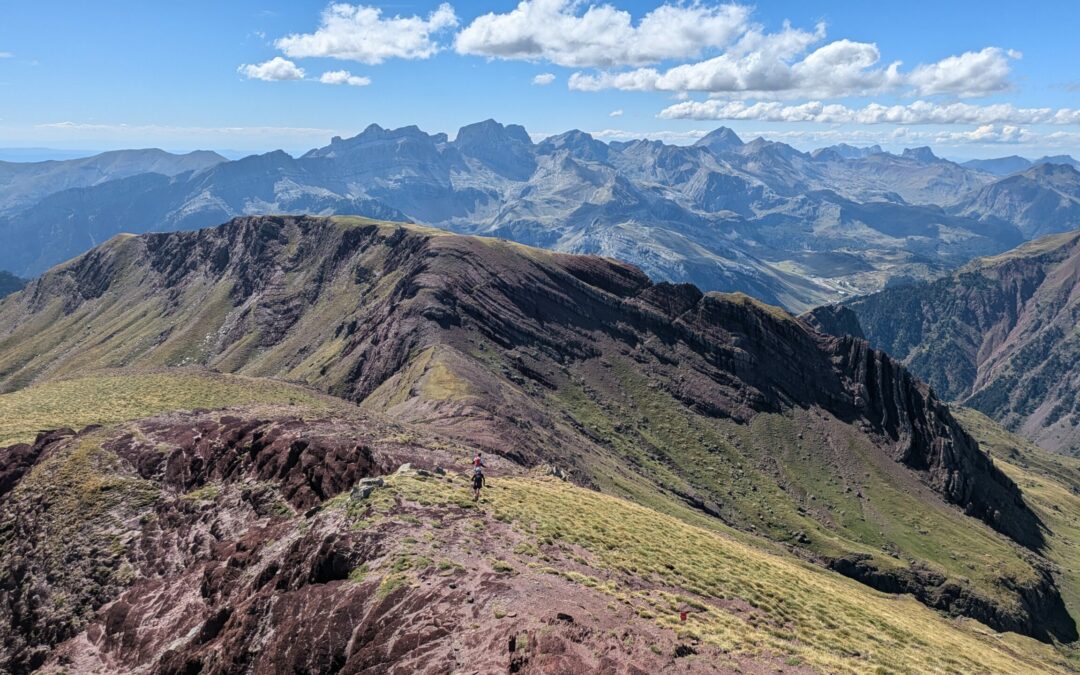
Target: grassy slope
(117, 396)
(801, 478)
(744, 600)
(1051, 485)
(740, 598)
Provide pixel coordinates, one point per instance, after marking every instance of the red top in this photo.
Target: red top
(477, 461)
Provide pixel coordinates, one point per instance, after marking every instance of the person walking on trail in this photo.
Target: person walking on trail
(478, 475)
(478, 481)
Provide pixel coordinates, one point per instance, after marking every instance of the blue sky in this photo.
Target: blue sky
(975, 78)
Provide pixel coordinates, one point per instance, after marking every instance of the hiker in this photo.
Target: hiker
(478, 481)
(478, 478)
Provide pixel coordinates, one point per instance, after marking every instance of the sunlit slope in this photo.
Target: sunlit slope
(107, 397)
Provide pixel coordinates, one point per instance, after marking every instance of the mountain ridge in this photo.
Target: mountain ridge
(572, 361)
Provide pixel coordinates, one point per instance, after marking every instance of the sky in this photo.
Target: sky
(970, 79)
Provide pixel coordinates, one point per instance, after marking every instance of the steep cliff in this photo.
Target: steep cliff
(999, 336)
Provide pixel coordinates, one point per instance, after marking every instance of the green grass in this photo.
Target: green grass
(1051, 486)
(798, 478)
(111, 397)
(743, 600)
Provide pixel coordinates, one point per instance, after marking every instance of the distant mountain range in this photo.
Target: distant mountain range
(792, 228)
(1004, 166)
(9, 283)
(999, 335)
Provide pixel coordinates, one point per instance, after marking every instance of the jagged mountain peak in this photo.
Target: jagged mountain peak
(1059, 159)
(505, 149)
(1053, 170)
(922, 154)
(783, 363)
(578, 144)
(491, 131)
(371, 134)
(721, 139)
(843, 151)
(579, 362)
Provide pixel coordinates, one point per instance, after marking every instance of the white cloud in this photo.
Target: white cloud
(797, 63)
(360, 33)
(990, 133)
(544, 79)
(275, 69)
(344, 77)
(6, 55)
(768, 66)
(917, 112)
(616, 113)
(601, 36)
(969, 74)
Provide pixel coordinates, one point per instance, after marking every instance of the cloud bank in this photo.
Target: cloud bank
(917, 112)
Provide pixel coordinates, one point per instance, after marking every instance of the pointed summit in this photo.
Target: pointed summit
(720, 140)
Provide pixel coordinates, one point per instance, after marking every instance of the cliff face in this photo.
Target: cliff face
(650, 391)
(997, 336)
(833, 320)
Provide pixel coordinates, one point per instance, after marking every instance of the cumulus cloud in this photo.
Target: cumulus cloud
(360, 33)
(273, 70)
(917, 112)
(990, 133)
(344, 77)
(788, 63)
(602, 36)
(969, 74)
(544, 79)
(779, 66)
(616, 113)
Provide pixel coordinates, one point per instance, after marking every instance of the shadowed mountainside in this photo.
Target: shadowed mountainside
(999, 336)
(9, 283)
